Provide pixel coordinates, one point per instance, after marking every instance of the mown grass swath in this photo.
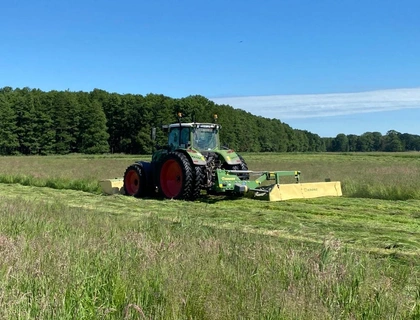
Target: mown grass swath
(63, 262)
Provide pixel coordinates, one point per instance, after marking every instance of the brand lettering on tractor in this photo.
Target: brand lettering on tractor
(310, 189)
(228, 179)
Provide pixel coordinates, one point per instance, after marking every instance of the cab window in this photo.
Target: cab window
(173, 138)
(185, 137)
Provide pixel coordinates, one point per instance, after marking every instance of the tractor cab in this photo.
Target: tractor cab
(199, 136)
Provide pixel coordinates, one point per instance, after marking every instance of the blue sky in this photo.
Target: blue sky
(364, 53)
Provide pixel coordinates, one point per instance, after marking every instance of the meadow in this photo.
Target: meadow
(69, 252)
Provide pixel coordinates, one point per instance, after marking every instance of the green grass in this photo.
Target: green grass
(69, 254)
(392, 176)
(88, 259)
(87, 185)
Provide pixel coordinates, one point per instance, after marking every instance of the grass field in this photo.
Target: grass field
(72, 254)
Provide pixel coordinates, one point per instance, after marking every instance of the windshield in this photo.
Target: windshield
(205, 138)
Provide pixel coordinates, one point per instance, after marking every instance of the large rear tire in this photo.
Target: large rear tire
(135, 183)
(176, 177)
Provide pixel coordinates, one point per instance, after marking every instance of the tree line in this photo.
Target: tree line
(392, 141)
(34, 122)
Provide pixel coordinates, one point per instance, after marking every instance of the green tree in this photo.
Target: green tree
(116, 115)
(315, 142)
(365, 142)
(66, 121)
(44, 124)
(93, 135)
(292, 139)
(340, 143)
(410, 142)
(279, 135)
(378, 141)
(393, 142)
(8, 137)
(23, 104)
(301, 141)
(353, 142)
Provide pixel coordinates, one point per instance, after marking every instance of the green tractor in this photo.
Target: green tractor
(193, 161)
(190, 162)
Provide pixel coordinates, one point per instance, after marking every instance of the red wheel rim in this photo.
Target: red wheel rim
(132, 182)
(171, 178)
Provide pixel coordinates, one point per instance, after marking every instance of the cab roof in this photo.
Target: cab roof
(192, 125)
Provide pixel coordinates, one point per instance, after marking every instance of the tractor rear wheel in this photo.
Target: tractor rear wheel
(176, 177)
(135, 183)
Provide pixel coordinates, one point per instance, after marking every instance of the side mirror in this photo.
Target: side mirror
(153, 134)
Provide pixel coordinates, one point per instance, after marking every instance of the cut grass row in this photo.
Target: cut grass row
(373, 226)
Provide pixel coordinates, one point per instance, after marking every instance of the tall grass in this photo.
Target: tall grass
(391, 176)
(60, 262)
(87, 185)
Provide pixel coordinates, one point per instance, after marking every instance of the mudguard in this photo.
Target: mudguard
(229, 156)
(196, 157)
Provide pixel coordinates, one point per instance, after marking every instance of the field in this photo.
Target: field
(69, 252)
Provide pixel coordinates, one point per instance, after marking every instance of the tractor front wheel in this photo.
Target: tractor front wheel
(135, 181)
(176, 178)
(198, 182)
(241, 166)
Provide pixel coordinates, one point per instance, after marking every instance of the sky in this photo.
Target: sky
(325, 66)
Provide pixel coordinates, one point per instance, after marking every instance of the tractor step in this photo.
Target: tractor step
(240, 171)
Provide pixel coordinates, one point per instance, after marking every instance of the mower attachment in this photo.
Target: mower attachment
(277, 191)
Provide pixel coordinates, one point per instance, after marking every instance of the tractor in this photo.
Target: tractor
(193, 162)
(186, 165)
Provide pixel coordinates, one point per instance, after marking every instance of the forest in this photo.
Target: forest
(34, 122)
